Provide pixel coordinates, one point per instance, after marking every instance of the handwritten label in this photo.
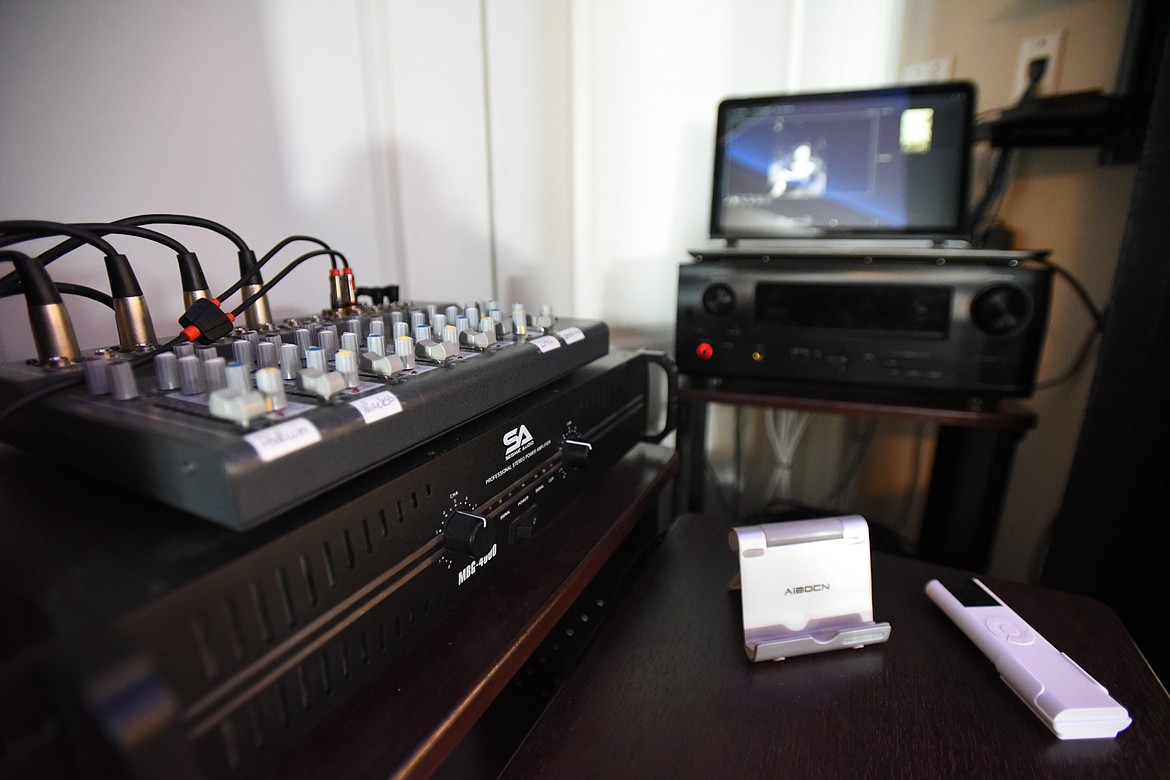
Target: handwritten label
(546, 343)
(283, 439)
(571, 335)
(378, 406)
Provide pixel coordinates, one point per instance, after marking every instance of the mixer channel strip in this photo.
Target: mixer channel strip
(253, 425)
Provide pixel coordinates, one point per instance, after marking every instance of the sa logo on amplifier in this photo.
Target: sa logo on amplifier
(517, 439)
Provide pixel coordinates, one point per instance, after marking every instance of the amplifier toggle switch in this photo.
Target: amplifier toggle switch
(468, 534)
(575, 453)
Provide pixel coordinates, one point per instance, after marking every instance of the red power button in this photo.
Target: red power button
(705, 351)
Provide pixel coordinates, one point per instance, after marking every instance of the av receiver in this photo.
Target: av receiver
(957, 321)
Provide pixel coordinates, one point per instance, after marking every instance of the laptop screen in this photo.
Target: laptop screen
(889, 162)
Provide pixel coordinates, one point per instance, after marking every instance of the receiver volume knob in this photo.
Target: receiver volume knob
(469, 534)
(1000, 310)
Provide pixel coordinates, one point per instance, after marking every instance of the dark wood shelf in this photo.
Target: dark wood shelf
(876, 403)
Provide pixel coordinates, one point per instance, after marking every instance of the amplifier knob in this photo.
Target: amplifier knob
(719, 300)
(1000, 310)
(575, 452)
(468, 534)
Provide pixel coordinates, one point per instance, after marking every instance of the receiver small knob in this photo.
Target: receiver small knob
(718, 300)
(468, 534)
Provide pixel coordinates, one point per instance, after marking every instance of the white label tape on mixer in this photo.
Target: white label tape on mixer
(378, 406)
(546, 343)
(280, 440)
(571, 335)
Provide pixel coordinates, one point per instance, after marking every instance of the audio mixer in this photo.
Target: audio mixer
(254, 424)
(176, 647)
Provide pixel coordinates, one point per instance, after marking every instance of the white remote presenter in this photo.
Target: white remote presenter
(1062, 694)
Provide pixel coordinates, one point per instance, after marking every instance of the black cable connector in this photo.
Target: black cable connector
(206, 322)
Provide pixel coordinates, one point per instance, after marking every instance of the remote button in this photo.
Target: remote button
(1011, 631)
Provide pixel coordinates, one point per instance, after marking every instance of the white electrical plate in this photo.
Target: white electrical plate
(1050, 46)
(940, 69)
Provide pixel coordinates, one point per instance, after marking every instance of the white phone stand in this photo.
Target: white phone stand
(806, 587)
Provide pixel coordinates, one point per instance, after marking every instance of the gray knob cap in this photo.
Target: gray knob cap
(166, 371)
(123, 385)
(191, 379)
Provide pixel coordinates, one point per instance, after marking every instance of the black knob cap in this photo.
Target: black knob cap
(719, 300)
(1002, 309)
(468, 534)
(575, 452)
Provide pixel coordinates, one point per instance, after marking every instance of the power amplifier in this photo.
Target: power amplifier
(954, 321)
(139, 640)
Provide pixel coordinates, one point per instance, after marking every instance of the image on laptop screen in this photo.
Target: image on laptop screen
(889, 162)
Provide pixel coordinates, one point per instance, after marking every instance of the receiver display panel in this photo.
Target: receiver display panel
(879, 162)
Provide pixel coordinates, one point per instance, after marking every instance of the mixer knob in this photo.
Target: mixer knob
(316, 358)
(239, 378)
(271, 384)
(545, 319)
(304, 339)
(97, 378)
(377, 327)
(347, 365)
(166, 371)
(451, 335)
(404, 349)
(215, 373)
(472, 314)
(438, 322)
(123, 385)
(290, 360)
(191, 379)
(376, 342)
(519, 320)
(469, 534)
(267, 355)
(327, 341)
(243, 352)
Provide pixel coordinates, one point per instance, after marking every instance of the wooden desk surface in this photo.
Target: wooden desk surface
(666, 691)
(406, 723)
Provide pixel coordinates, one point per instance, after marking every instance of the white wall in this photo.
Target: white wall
(1061, 200)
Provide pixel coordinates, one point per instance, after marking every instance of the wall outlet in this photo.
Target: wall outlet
(1040, 51)
(941, 69)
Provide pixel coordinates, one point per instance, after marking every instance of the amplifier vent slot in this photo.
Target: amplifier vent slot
(269, 720)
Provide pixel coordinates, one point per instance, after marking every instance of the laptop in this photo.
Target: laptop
(889, 164)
